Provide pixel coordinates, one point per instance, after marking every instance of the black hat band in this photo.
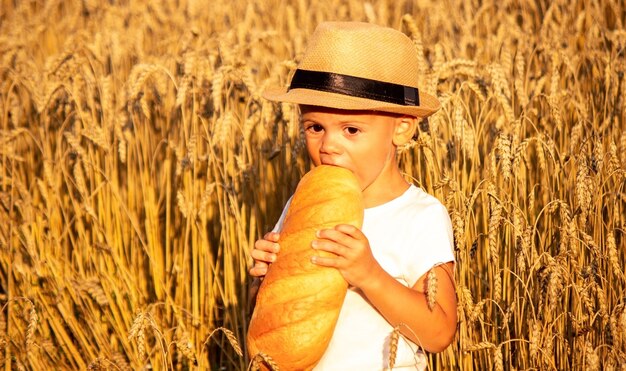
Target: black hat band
(355, 86)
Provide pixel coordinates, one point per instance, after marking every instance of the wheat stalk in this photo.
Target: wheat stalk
(33, 319)
(592, 360)
(393, 347)
(232, 339)
(185, 346)
(613, 255)
(416, 36)
(503, 144)
(137, 331)
(458, 228)
(479, 346)
(263, 359)
(431, 288)
(535, 339)
(497, 359)
(93, 287)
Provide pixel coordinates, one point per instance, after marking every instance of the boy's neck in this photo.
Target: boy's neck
(385, 189)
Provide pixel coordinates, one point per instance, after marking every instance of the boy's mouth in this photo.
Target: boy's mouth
(330, 163)
(329, 160)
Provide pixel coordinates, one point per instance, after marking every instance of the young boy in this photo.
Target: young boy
(356, 86)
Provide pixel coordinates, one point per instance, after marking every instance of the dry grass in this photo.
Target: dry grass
(138, 164)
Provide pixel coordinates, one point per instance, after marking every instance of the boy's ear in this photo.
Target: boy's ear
(405, 128)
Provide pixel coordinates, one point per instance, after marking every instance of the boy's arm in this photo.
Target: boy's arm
(432, 329)
(263, 253)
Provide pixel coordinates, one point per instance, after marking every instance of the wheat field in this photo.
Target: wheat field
(139, 163)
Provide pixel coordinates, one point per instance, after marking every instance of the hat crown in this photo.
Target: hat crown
(362, 50)
(358, 66)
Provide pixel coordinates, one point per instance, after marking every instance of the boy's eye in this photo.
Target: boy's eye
(352, 130)
(316, 128)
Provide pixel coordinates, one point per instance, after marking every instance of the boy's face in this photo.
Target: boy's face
(361, 141)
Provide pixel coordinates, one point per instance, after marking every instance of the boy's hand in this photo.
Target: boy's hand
(264, 253)
(354, 257)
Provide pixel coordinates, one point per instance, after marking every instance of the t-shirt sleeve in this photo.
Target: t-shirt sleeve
(434, 242)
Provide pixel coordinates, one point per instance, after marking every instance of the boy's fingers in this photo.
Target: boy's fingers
(258, 270)
(264, 245)
(274, 247)
(349, 229)
(326, 262)
(271, 236)
(328, 246)
(334, 235)
(263, 256)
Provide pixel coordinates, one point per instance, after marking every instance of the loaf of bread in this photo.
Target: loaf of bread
(298, 303)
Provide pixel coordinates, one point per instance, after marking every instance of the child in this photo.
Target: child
(356, 86)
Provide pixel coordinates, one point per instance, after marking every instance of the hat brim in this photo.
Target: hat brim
(428, 103)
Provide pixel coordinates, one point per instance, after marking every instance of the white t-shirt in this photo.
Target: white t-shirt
(408, 236)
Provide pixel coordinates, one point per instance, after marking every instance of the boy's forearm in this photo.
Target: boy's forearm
(432, 329)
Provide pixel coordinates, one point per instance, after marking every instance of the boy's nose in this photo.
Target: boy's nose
(329, 144)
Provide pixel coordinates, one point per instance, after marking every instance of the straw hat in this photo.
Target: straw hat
(358, 66)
